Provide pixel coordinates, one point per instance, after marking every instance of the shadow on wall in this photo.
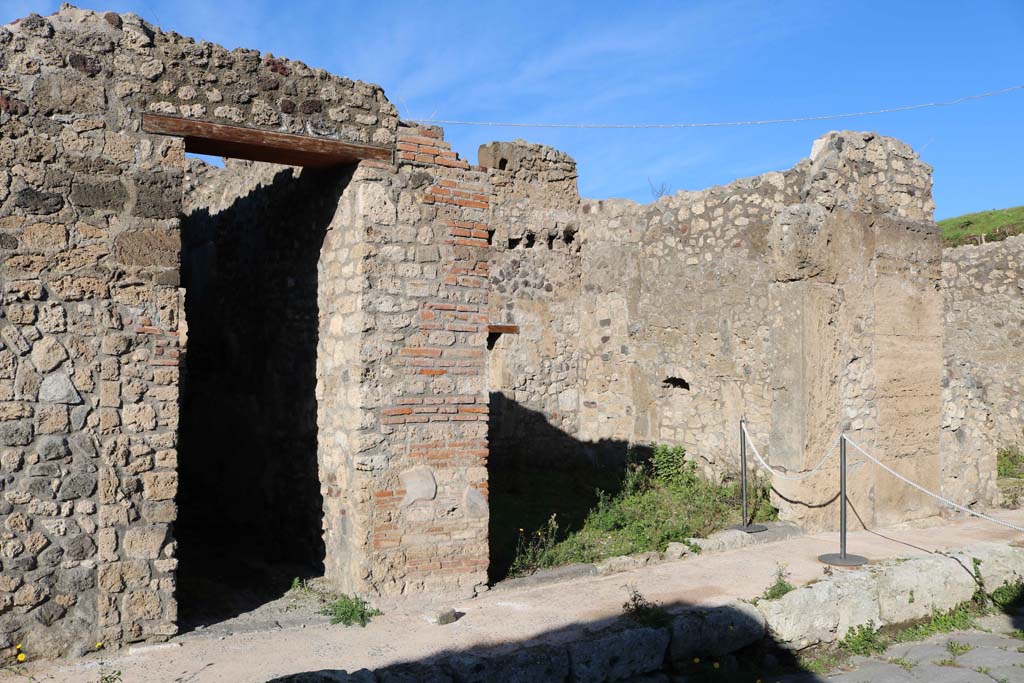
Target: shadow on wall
(536, 470)
(250, 508)
(710, 644)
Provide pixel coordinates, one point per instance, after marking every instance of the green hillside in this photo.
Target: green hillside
(990, 226)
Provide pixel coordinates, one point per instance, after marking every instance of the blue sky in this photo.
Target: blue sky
(637, 62)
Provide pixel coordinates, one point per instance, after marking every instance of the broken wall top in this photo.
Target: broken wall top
(79, 62)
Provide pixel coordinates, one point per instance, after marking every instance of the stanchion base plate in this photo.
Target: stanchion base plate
(837, 560)
(750, 528)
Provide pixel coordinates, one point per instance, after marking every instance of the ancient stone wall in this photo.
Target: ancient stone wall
(807, 301)
(89, 213)
(535, 284)
(983, 387)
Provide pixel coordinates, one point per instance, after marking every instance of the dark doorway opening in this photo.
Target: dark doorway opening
(250, 508)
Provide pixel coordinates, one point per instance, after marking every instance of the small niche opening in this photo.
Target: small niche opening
(530, 239)
(513, 242)
(492, 339)
(551, 241)
(502, 164)
(569, 235)
(675, 383)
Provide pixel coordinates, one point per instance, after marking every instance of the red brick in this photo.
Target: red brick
(451, 163)
(417, 139)
(397, 411)
(424, 352)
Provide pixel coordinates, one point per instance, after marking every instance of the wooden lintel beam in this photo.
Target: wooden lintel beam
(239, 142)
(499, 328)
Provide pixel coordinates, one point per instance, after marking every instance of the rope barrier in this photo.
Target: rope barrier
(831, 450)
(788, 477)
(933, 495)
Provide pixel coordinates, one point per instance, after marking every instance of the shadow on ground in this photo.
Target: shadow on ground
(679, 643)
(705, 645)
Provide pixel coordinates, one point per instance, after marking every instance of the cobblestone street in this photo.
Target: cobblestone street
(991, 657)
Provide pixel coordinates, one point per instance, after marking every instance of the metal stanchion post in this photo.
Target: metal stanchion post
(841, 559)
(744, 526)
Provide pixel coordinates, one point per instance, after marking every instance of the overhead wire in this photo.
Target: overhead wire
(723, 124)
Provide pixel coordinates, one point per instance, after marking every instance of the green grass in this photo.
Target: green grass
(1009, 596)
(863, 640)
(661, 500)
(993, 225)
(349, 610)
(905, 664)
(956, 649)
(961, 618)
(866, 640)
(1010, 462)
(821, 662)
(523, 500)
(779, 587)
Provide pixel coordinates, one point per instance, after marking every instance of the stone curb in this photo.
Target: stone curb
(892, 593)
(620, 653)
(889, 594)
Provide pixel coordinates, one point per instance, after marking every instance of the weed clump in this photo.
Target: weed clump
(863, 640)
(779, 587)
(349, 610)
(644, 612)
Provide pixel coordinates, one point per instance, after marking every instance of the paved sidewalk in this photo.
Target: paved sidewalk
(279, 639)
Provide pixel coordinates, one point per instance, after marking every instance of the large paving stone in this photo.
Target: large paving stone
(875, 670)
(913, 589)
(533, 665)
(413, 673)
(715, 631)
(361, 676)
(618, 656)
(933, 673)
(799, 618)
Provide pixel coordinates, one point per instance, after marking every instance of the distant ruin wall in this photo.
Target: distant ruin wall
(800, 300)
(983, 387)
(674, 317)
